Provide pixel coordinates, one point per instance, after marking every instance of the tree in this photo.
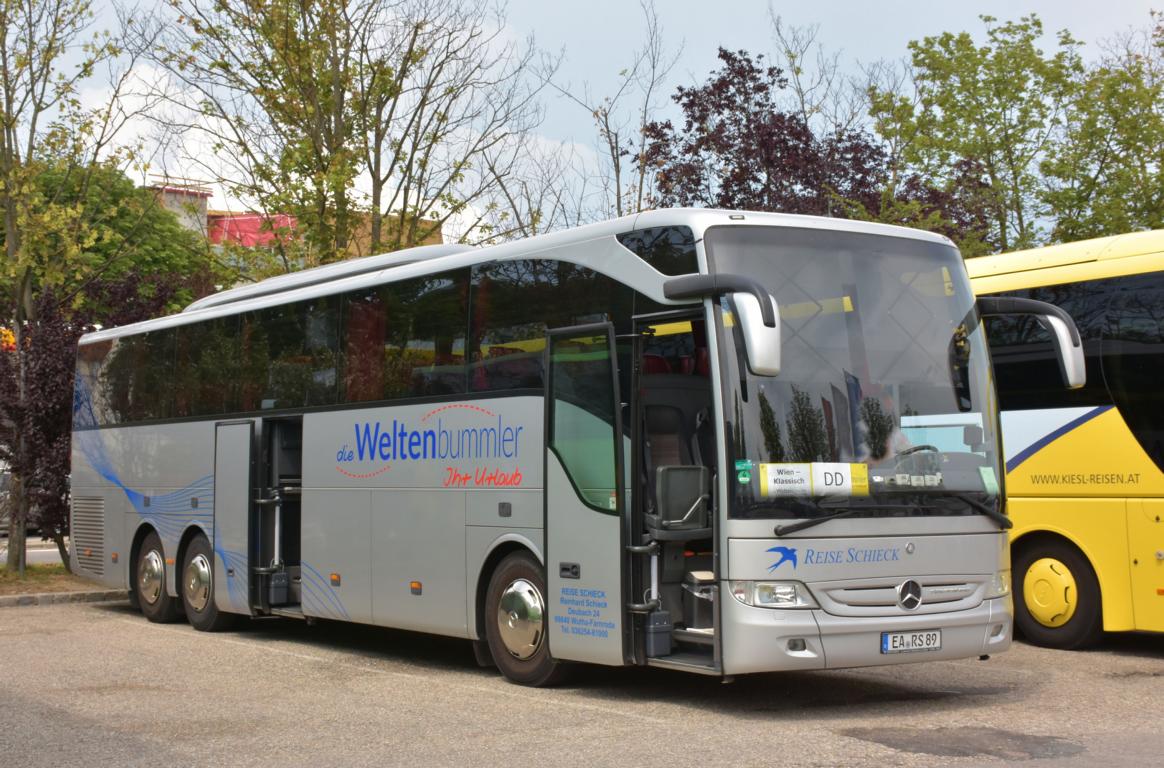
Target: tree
(621, 119)
(138, 262)
(770, 428)
(832, 104)
(423, 100)
(807, 437)
(450, 126)
(879, 427)
(991, 109)
(736, 148)
(1104, 173)
(41, 117)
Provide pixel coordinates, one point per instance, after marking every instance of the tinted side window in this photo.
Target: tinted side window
(137, 378)
(206, 370)
(406, 339)
(1133, 357)
(671, 250)
(424, 338)
(1026, 367)
(514, 302)
(363, 346)
(300, 342)
(91, 406)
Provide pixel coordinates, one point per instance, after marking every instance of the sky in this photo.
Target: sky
(598, 36)
(596, 39)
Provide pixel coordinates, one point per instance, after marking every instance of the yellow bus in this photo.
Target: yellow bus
(1083, 467)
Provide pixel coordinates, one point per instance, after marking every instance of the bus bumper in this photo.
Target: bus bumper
(767, 640)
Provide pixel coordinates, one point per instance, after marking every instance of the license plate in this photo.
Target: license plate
(907, 642)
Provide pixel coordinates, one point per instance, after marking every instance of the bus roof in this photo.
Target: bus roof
(1080, 252)
(612, 260)
(326, 273)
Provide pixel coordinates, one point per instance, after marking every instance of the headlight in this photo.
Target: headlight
(999, 585)
(772, 594)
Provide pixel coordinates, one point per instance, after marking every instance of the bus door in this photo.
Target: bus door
(233, 451)
(585, 525)
(1146, 537)
(675, 461)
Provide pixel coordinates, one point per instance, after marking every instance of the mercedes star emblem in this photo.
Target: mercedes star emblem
(909, 594)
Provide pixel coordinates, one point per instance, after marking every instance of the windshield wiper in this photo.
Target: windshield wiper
(845, 512)
(1003, 521)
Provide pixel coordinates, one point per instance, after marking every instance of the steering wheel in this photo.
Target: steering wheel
(916, 449)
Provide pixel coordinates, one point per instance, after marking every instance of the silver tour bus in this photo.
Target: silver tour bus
(703, 440)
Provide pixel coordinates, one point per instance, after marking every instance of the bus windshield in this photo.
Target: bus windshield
(884, 404)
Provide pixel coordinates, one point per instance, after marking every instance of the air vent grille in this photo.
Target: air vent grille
(88, 533)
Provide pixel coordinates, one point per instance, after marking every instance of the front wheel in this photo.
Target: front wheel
(516, 622)
(198, 589)
(149, 583)
(1057, 600)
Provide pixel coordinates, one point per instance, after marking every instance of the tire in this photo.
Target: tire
(197, 587)
(149, 583)
(1071, 621)
(516, 641)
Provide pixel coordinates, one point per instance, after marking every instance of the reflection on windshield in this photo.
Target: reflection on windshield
(884, 386)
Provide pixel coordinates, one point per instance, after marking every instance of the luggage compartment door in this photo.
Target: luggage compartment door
(233, 499)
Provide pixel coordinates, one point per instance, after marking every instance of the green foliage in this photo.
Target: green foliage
(281, 75)
(996, 103)
(85, 223)
(1105, 173)
(770, 428)
(879, 427)
(807, 438)
(1038, 146)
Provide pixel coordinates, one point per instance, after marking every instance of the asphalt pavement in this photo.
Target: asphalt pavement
(98, 685)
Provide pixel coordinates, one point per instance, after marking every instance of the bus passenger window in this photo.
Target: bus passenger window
(363, 346)
(289, 354)
(1133, 358)
(207, 368)
(1026, 365)
(511, 301)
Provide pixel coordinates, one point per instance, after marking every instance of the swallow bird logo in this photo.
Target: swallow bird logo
(787, 554)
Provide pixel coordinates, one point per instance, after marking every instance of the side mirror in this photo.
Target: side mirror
(1064, 333)
(761, 342)
(759, 316)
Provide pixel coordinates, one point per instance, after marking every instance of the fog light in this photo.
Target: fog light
(797, 644)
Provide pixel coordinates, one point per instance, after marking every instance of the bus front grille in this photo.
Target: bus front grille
(88, 533)
(878, 597)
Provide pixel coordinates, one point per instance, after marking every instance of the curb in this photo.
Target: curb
(56, 598)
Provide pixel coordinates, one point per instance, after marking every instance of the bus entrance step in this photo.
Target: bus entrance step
(697, 636)
(699, 663)
(288, 612)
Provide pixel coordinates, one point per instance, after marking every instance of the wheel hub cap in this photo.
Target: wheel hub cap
(150, 575)
(1050, 592)
(198, 582)
(519, 618)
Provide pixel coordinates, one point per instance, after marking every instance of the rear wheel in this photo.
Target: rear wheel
(198, 589)
(150, 583)
(516, 622)
(1057, 601)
